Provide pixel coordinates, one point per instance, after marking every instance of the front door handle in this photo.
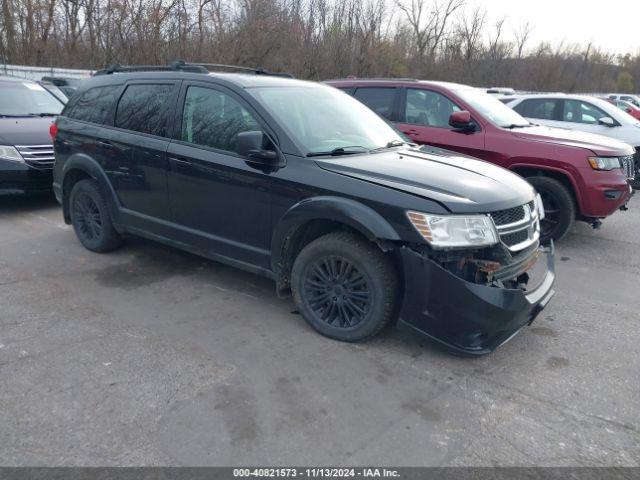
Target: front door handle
(105, 144)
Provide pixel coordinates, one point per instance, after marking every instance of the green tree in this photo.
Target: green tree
(625, 82)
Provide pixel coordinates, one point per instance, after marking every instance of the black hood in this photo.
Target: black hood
(25, 131)
(461, 184)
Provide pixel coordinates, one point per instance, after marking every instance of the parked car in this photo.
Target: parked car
(301, 183)
(628, 107)
(55, 91)
(586, 114)
(626, 97)
(26, 151)
(66, 84)
(579, 176)
(502, 91)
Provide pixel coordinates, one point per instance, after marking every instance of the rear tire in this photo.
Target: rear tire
(559, 207)
(344, 287)
(91, 219)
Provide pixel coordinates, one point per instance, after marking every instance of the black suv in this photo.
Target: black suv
(26, 151)
(301, 183)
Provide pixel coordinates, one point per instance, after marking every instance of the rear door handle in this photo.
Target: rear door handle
(179, 161)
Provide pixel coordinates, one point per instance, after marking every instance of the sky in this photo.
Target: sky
(613, 25)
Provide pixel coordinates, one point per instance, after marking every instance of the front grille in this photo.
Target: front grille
(518, 227)
(511, 239)
(505, 217)
(510, 215)
(628, 165)
(38, 156)
(636, 158)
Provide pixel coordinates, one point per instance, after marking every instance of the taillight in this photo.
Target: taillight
(53, 131)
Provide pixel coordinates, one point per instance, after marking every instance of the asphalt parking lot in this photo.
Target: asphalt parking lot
(151, 356)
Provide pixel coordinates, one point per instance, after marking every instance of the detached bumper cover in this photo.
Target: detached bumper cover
(469, 318)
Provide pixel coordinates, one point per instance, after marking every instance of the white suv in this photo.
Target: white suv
(580, 112)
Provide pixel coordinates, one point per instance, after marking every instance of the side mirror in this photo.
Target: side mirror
(607, 122)
(462, 121)
(252, 146)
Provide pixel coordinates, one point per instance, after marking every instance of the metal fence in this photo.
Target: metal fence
(36, 73)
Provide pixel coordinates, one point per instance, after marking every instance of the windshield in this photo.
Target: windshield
(25, 99)
(491, 108)
(324, 119)
(622, 117)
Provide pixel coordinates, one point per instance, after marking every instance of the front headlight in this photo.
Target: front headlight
(9, 153)
(450, 231)
(539, 206)
(604, 163)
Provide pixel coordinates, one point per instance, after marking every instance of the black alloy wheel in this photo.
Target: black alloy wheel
(91, 219)
(344, 286)
(559, 208)
(87, 217)
(337, 291)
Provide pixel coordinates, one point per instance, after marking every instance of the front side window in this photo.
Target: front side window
(542, 108)
(321, 118)
(145, 108)
(576, 111)
(214, 119)
(95, 104)
(428, 108)
(26, 99)
(380, 100)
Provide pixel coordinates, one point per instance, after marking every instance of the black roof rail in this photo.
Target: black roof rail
(182, 66)
(177, 66)
(255, 71)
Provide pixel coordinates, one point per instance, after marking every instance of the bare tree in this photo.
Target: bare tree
(429, 20)
(522, 34)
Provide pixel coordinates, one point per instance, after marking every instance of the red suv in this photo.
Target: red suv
(579, 176)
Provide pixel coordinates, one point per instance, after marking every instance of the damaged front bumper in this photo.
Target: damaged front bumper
(470, 318)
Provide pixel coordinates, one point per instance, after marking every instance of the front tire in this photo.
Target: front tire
(91, 219)
(559, 208)
(344, 287)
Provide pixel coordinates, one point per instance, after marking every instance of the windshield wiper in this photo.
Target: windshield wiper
(339, 151)
(44, 114)
(517, 125)
(395, 143)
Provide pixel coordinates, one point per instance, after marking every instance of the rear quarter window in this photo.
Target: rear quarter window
(94, 105)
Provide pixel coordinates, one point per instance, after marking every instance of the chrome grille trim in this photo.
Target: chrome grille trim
(628, 166)
(528, 227)
(39, 156)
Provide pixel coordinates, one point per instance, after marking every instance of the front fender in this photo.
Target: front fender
(572, 175)
(349, 212)
(91, 167)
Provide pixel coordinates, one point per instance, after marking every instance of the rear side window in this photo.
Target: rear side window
(214, 119)
(145, 109)
(380, 100)
(95, 104)
(542, 108)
